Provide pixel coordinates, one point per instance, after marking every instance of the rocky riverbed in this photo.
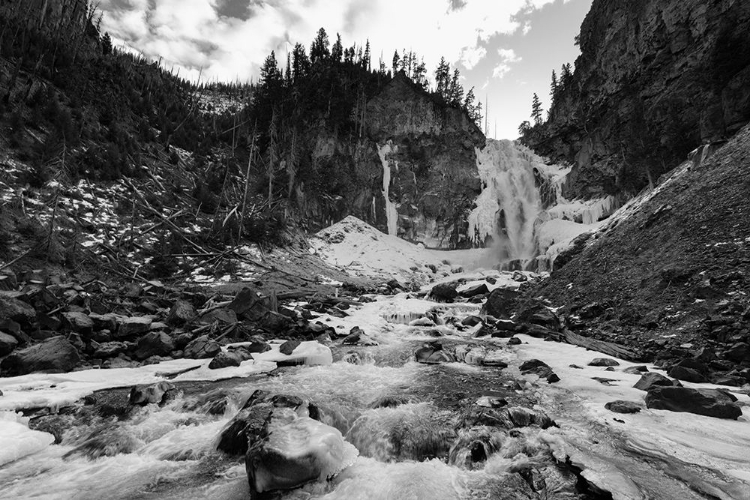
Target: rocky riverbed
(433, 392)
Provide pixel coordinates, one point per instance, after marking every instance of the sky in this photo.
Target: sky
(505, 49)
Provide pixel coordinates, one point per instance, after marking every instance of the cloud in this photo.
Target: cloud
(230, 39)
(507, 57)
(470, 56)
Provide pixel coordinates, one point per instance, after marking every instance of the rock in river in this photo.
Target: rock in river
(295, 450)
(708, 402)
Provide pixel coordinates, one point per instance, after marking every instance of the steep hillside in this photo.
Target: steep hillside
(655, 80)
(674, 276)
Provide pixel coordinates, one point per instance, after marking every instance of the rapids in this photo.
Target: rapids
(414, 425)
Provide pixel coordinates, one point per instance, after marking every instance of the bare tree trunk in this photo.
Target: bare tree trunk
(247, 183)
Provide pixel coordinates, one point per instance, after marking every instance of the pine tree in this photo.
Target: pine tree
(553, 87)
(396, 62)
(300, 63)
(536, 110)
(456, 90)
(441, 79)
(566, 77)
(106, 44)
(366, 59)
(319, 50)
(337, 51)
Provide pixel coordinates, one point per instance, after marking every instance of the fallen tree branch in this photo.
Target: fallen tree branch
(609, 348)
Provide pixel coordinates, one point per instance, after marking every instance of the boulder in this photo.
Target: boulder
(295, 450)
(539, 314)
(226, 316)
(107, 321)
(687, 374)
(202, 347)
(132, 327)
(514, 341)
(109, 349)
(603, 362)
(501, 303)
(7, 344)
(227, 359)
(150, 394)
(154, 344)
(474, 291)
(15, 309)
(636, 370)
(247, 425)
(78, 322)
(433, 353)
(652, 379)
(275, 322)
(249, 305)
(708, 402)
(289, 346)
(621, 406)
(539, 368)
(739, 352)
(358, 337)
(54, 355)
(180, 313)
(444, 292)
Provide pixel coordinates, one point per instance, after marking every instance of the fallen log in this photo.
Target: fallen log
(608, 348)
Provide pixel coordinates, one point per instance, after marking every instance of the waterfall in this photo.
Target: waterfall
(391, 213)
(509, 203)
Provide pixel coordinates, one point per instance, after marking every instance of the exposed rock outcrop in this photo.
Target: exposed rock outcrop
(654, 81)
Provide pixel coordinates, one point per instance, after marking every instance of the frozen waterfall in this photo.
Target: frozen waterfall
(390, 208)
(510, 202)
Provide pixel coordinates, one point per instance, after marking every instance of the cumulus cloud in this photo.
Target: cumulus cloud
(507, 57)
(229, 39)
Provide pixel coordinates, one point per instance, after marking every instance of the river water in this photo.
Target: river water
(427, 445)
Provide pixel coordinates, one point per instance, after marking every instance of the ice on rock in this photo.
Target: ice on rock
(297, 450)
(17, 440)
(306, 353)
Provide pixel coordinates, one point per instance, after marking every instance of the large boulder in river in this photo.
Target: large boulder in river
(250, 305)
(501, 303)
(54, 355)
(246, 428)
(444, 292)
(708, 402)
(295, 450)
(432, 353)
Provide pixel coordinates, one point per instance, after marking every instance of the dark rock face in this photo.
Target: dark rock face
(53, 356)
(708, 402)
(429, 151)
(655, 79)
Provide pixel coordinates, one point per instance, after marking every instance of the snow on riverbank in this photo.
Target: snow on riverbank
(577, 403)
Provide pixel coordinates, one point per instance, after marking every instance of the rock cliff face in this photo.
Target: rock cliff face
(655, 80)
(413, 173)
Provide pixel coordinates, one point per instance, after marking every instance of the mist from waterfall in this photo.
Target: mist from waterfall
(509, 204)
